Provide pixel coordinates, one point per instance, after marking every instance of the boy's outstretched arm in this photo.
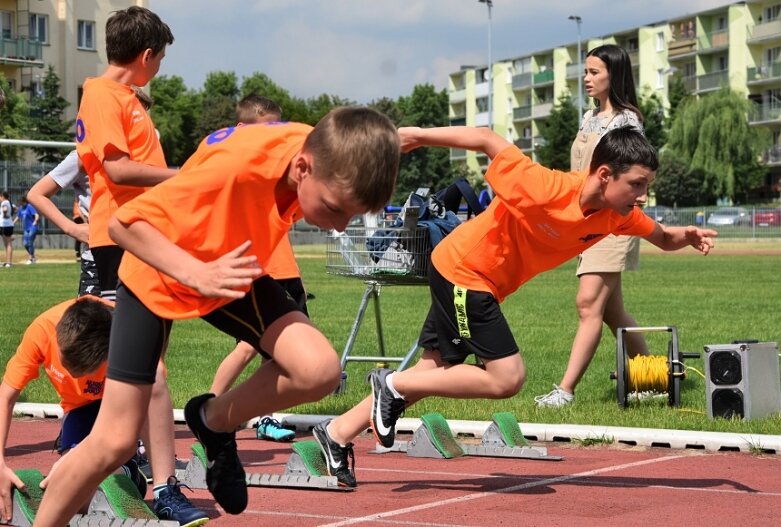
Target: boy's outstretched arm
(477, 139)
(219, 278)
(674, 238)
(40, 196)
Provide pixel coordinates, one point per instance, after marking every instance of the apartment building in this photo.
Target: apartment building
(738, 44)
(67, 34)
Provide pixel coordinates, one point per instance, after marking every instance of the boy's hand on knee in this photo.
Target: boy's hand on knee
(222, 277)
(45, 481)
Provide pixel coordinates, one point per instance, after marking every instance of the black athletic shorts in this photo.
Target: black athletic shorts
(462, 323)
(139, 337)
(107, 260)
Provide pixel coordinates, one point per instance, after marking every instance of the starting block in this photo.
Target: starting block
(304, 470)
(435, 439)
(116, 503)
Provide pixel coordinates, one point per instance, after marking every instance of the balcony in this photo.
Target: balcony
(714, 41)
(772, 155)
(521, 113)
(763, 73)
(681, 48)
(524, 143)
(21, 51)
(522, 81)
(457, 121)
(542, 110)
(712, 81)
(457, 153)
(765, 33)
(574, 71)
(543, 77)
(458, 96)
(765, 113)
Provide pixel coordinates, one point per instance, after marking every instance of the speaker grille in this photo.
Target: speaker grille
(725, 368)
(727, 403)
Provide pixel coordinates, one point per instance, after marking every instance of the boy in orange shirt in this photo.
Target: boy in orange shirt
(282, 267)
(539, 219)
(70, 341)
(187, 256)
(118, 146)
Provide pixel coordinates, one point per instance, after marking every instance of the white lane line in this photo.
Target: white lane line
(514, 488)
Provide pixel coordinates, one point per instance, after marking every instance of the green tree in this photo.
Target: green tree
(652, 108)
(423, 167)
(713, 137)
(675, 184)
(677, 93)
(558, 132)
(14, 120)
(388, 106)
(47, 111)
(176, 112)
(317, 107)
(219, 97)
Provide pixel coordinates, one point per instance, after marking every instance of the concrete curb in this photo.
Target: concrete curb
(649, 437)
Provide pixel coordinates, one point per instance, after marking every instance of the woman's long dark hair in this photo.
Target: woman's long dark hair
(622, 93)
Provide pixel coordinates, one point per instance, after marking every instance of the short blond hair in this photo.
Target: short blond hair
(358, 148)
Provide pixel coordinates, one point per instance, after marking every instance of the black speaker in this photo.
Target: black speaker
(742, 380)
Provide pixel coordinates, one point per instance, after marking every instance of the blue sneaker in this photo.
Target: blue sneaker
(172, 505)
(271, 429)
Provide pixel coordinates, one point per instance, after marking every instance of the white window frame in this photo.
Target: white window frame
(660, 78)
(660, 41)
(81, 35)
(39, 24)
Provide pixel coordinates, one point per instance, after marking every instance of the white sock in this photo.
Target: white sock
(389, 384)
(328, 431)
(203, 417)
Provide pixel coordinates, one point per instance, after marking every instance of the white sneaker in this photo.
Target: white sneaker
(30, 261)
(555, 399)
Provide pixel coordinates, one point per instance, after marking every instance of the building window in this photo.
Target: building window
(86, 34)
(723, 63)
(660, 41)
(6, 24)
(660, 78)
(39, 28)
(721, 23)
(689, 70)
(772, 12)
(632, 44)
(482, 104)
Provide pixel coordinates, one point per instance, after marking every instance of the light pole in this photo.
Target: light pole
(490, 4)
(578, 20)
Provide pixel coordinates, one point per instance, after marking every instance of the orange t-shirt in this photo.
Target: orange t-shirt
(223, 195)
(282, 265)
(39, 348)
(112, 119)
(534, 225)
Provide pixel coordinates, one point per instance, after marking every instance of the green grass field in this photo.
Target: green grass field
(711, 300)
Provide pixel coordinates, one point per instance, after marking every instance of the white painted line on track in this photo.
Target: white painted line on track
(513, 488)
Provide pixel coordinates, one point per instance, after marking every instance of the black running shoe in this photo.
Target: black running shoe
(225, 476)
(339, 459)
(131, 471)
(386, 409)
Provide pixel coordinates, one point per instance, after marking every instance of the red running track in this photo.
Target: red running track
(605, 485)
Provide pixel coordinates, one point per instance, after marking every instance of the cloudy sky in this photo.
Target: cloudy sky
(366, 49)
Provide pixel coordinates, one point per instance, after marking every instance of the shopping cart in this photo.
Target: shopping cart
(380, 257)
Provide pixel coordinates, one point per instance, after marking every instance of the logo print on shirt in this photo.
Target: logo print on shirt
(93, 387)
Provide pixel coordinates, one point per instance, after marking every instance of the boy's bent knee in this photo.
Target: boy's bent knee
(320, 377)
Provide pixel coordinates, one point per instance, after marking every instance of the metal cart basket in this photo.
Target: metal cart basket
(378, 256)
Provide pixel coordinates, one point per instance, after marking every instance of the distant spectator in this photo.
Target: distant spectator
(7, 226)
(28, 217)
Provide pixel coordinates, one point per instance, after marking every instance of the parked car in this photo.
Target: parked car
(767, 217)
(730, 216)
(662, 214)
